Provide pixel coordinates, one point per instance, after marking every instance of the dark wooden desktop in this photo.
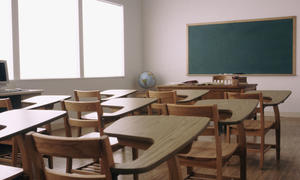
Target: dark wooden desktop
(17, 96)
(216, 91)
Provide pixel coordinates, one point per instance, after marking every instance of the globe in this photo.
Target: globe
(147, 80)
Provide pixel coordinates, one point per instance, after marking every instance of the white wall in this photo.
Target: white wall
(133, 61)
(164, 27)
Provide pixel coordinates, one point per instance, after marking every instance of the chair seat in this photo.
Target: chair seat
(207, 150)
(254, 125)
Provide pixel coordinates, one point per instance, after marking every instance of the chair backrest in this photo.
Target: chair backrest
(202, 111)
(68, 147)
(82, 107)
(5, 103)
(163, 97)
(225, 79)
(78, 94)
(258, 96)
(86, 95)
(193, 110)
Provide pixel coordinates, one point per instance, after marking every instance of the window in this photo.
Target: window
(49, 39)
(62, 39)
(6, 52)
(103, 39)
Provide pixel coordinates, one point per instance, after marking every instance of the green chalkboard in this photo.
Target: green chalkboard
(259, 46)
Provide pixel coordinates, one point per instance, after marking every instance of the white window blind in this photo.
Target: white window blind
(48, 37)
(103, 39)
(6, 51)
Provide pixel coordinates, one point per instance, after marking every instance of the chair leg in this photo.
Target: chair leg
(189, 171)
(135, 156)
(69, 165)
(228, 133)
(50, 162)
(262, 148)
(14, 153)
(174, 169)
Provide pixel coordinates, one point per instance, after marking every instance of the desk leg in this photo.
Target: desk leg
(134, 157)
(26, 165)
(242, 151)
(277, 131)
(174, 169)
(114, 176)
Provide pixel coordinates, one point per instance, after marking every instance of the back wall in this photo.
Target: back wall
(164, 32)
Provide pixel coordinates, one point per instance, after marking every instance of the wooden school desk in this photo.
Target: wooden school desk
(274, 98)
(162, 137)
(17, 96)
(190, 95)
(185, 95)
(216, 91)
(234, 111)
(124, 106)
(18, 122)
(116, 93)
(44, 101)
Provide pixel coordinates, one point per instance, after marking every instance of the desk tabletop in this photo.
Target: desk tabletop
(209, 85)
(44, 100)
(167, 135)
(190, 95)
(22, 92)
(10, 172)
(124, 106)
(116, 93)
(273, 97)
(21, 121)
(239, 109)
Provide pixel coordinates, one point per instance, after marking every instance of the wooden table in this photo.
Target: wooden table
(216, 91)
(17, 96)
(18, 122)
(161, 136)
(274, 98)
(116, 93)
(124, 106)
(185, 95)
(44, 101)
(234, 111)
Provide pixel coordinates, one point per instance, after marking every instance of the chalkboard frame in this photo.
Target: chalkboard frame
(292, 60)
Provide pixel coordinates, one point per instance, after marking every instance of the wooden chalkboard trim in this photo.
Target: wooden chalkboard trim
(245, 20)
(238, 21)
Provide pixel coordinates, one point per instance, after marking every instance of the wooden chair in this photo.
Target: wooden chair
(68, 147)
(86, 94)
(163, 97)
(82, 107)
(78, 94)
(12, 157)
(95, 94)
(211, 154)
(256, 127)
(225, 79)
